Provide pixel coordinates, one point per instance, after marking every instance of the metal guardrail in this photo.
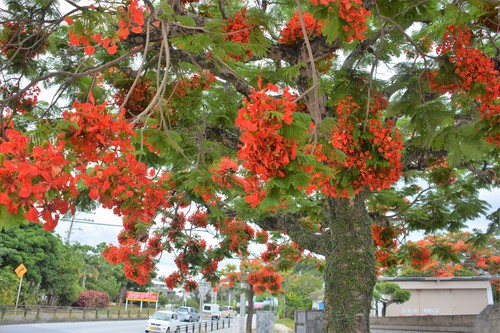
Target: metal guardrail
(205, 326)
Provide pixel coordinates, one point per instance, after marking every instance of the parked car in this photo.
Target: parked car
(164, 322)
(227, 311)
(187, 313)
(211, 311)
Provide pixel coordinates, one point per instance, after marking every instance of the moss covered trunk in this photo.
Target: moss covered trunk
(349, 267)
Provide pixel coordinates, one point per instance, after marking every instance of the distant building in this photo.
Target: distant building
(161, 288)
(318, 300)
(434, 296)
(442, 296)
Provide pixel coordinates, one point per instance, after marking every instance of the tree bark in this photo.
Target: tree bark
(349, 266)
(384, 309)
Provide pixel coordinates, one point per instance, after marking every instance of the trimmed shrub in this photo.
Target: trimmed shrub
(93, 299)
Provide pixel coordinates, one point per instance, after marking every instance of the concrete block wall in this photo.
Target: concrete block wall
(265, 321)
(488, 321)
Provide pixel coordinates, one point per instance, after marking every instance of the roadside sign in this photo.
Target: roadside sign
(20, 270)
(204, 288)
(140, 296)
(213, 296)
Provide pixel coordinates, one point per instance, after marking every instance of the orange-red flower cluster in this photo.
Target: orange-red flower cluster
(476, 76)
(201, 81)
(95, 130)
(139, 99)
(25, 103)
(292, 32)
(372, 154)
(385, 239)
(265, 151)
(420, 255)
(131, 19)
(472, 260)
(39, 176)
(264, 278)
(353, 13)
(238, 30)
(238, 235)
(137, 263)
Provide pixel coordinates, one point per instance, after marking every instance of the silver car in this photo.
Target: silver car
(187, 313)
(163, 322)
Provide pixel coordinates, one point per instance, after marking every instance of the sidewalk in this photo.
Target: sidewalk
(240, 323)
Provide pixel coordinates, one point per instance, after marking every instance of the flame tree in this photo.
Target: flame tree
(302, 125)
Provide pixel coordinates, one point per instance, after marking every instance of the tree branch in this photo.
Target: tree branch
(290, 223)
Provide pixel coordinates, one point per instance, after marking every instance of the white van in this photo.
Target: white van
(211, 311)
(227, 311)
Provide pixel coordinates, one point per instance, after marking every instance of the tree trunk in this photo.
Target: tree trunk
(250, 294)
(349, 267)
(384, 309)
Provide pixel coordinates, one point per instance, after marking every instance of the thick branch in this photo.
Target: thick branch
(218, 68)
(362, 48)
(290, 223)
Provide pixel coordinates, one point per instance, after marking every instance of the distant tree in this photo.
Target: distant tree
(52, 267)
(258, 278)
(446, 255)
(100, 275)
(9, 282)
(63, 277)
(388, 293)
(297, 289)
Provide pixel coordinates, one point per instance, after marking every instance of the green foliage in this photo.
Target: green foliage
(297, 289)
(9, 282)
(49, 263)
(388, 293)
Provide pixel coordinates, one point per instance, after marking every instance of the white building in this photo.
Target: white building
(435, 296)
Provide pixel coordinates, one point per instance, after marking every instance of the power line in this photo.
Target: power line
(93, 223)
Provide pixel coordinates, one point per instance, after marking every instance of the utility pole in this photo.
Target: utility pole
(75, 220)
(70, 228)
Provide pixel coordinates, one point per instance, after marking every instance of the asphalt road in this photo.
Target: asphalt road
(122, 326)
